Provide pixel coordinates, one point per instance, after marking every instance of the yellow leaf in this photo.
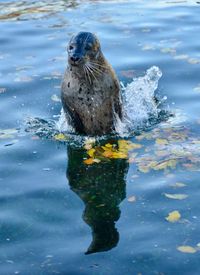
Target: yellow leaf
(89, 161)
(60, 137)
(119, 155)
(176, 196)
(161, 141)
(143, 169)
(108, 154)
(163, 165)
(126, 145)
(108, 145)
(132, 199)
(186, 249)
(91, 152)
(173, 216)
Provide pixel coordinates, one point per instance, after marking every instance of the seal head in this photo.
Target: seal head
(82, 48)
(90, 90)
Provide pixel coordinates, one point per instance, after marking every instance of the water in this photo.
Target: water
(61, 216)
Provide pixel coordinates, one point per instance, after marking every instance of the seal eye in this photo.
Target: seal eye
(71, 47)
(88, 47)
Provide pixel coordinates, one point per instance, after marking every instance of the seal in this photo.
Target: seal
(90, 91)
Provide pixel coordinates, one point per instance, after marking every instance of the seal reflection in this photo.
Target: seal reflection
(102, 187)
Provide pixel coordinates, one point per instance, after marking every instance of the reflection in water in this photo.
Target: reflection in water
(101, 187)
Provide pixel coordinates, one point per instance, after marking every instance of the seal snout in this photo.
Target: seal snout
(75, 59)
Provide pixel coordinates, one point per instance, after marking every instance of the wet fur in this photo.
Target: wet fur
(90, 90)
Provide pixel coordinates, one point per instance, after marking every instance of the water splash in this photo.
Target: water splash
(63, 124)
(139, 104)
(140, 109)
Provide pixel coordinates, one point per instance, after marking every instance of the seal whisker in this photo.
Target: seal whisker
(94, 68)
(91, 71)
(98, 64)
(88, 74)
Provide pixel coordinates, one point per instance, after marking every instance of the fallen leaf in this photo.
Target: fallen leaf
(132, 199)
(148, 48)
(176, 196)
(193, 61)
(186, 249)
(60, 137)
(146, 30)
(55, 98)
(91, 152)
(161, 141)
(23, 79)
(178, 185)
(181, 57)
(168, 50)
(89, 161)
(173, 216)
(197, 89)
(8, 133)
(165, 164)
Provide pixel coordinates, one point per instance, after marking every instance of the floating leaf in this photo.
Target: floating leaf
(146, 30)
(55, 98)
(193, 61)
(60, 137)
(107, 154)
(176, 196)
(89, 161)
(148, 48)
(91, 152)
(165, 164)
(173, 216)
(186, 249)
(181, 57)
(168, 50)
(132, 199)
(197, 89)
(161, 141)
(119, 155)
(143, 169)
(178, 185)
(23, 79)
(8, 133)
(125, 145)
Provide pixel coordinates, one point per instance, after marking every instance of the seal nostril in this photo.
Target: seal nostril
(75, 58)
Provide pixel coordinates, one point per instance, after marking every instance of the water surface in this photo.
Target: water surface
(60, 216)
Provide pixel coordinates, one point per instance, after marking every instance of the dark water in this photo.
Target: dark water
(55, 211)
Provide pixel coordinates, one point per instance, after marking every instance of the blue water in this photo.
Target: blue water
(52, 205)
